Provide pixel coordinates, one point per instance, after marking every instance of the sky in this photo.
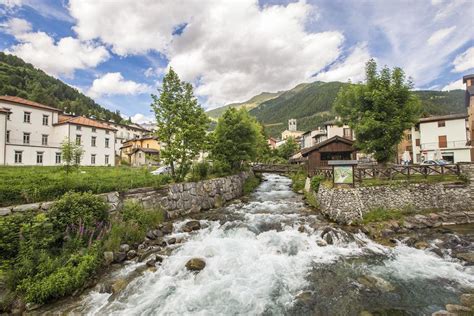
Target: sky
(117, 52)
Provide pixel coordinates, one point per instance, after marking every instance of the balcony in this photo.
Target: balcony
(444, 145)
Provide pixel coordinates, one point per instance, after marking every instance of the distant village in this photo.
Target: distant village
(31, 134)
(446, 139)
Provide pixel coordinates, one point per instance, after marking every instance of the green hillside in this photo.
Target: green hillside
(249, 104)
(21, 79)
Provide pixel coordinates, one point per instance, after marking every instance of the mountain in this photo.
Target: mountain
(249, 104)
(312, 104)
(18, 78)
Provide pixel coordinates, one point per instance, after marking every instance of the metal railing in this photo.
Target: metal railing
(444, 145)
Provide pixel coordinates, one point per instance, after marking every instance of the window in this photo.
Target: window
(139, 155)
(26, 138)
(408, 136)
(106, 143)
(147, 145)
(106, 159)
(26, 117)
(8, 136)
(45, 120)
(8, 114)
(94, 130)
(347, 132)
(417, 142)
(442, 141)
(78, 160)
(18, 156)
(408, 148)
(107, 132)
(441, 123)
(92, 159)
(44, 140)
(93, 141)
(58, 158)
(78, 139)
(78, 128)
(39, 157)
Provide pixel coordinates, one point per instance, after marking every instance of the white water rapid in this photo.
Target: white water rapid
(266, 260)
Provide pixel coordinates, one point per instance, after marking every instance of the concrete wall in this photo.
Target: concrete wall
(176, 199)
(345, 205)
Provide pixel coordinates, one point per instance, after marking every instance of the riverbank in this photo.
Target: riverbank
(270, 254)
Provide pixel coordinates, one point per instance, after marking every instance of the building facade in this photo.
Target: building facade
(125, 133)
(141, 151)
(291, 131)
(469, 81)
(32, 133)
(441, 137)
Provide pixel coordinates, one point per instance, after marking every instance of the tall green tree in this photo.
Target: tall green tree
(181, 124)
(288, 149)
(236, 138)
(71, 153)
(379, 111)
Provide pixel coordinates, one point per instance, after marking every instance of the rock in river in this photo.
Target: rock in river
(195, 264)
(192, 225)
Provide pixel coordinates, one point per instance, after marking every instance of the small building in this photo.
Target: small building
(272, 142)
(151, 146)
(335, 148)
(311, 138)
(291, 131)
(469, 81)
(144, 157)
(405, 146)
(441, 137)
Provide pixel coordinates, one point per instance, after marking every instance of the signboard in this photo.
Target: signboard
(343, 175)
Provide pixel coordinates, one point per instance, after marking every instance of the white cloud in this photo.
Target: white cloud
(113, 83)
(352, 68)
(454, 85)
(140, 118)
(56, 58)
(464, 61)
(231, 50)
(440, 35)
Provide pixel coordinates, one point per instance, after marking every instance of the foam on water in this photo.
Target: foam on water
(252, 271)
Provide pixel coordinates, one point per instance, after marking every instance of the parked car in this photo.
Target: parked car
(161, 170)
(439, 162)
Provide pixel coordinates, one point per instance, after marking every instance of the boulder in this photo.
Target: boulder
(159, 258)
(131, 254)
(167, 228)
(119, 257)
(150, 235)
(158, 233)
(375, 282)
(171, 241)
(321, 243)
(301, 229)
(195, 264)
(421, 245)
(443, 313)
(193, 225)
(458, 309)
(5, 211)
(466, 256)
(467, 299)
(124, 248)
(119, 285)
(108, 257)
(151, 262)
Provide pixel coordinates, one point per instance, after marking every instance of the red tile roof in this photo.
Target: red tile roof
(22, 101)
(84, 121)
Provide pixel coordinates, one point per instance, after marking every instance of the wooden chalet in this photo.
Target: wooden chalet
(334, 148)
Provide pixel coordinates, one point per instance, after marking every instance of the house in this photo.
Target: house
(469, 81)
(31, 133)
(311, 138)
(272, 142)
(141, 151)
(291, 131)
(334, 148)
(441, 137)
(405, 146)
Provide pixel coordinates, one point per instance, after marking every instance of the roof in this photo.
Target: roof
(84, 121)
(132, 126)
(306, 151)
(464, 79)
(22, 101)
(145, 150)
(443, 118)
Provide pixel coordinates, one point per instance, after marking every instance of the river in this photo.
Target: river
(265, 256)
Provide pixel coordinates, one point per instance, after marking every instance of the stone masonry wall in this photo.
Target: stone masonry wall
(345, 205)
(176, 199)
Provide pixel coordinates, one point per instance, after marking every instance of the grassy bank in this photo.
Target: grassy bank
(22, 185)
(251, 184)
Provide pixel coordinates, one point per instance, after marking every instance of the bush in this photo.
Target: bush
(316, 182)
(200, 171)
(250, 184)
(220, 169)
(74, 208)
(298, 180)
(10, 227)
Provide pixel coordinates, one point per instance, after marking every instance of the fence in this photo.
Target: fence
(390, 172)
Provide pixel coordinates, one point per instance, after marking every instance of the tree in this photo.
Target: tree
(236, 138)
(379, 111)
(71, 153)
(288, 149)
(181, 124)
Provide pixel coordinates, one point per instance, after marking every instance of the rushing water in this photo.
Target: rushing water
(265, 257)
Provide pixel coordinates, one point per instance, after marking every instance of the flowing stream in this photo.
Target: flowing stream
(266, 256)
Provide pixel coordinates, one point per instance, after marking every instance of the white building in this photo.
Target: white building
(31, 134)
(441, 137)
(330, 129)
(125, 133)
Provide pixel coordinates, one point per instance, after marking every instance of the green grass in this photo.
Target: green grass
(381, 214)
(311, 199)
(398, 180)
(250, 184)
(22, 185)
(298, 181)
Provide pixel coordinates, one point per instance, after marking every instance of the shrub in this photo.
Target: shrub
(220, 169)
(315, 182)
(200, 171)
(298, 180)
(75, 207)
(10, 227)
(250, 184)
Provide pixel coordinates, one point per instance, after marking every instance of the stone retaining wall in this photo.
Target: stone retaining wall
(176, 199)
(345, 205)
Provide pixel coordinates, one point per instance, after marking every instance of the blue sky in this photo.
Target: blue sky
(117, 51)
